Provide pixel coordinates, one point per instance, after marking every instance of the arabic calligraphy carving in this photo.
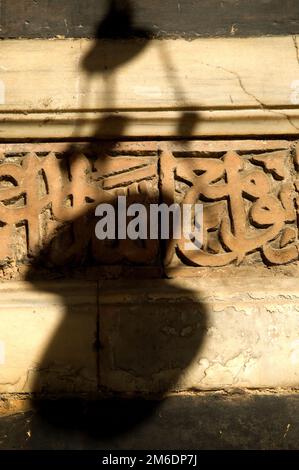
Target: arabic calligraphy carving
(249, 206)
(249, 190)
(47, 202)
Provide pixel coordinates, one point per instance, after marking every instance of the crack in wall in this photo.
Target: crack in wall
(296, 47)
(237, 76)
(251, 95)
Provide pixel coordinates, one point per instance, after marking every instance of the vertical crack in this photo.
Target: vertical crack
(296, 47)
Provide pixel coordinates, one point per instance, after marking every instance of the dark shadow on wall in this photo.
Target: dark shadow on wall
(113, 48)
(141, 354)
(152, 344)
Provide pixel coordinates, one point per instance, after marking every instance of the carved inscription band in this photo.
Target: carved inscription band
(249, 190)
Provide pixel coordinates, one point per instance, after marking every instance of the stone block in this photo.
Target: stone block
(48, 335)
(200, 334)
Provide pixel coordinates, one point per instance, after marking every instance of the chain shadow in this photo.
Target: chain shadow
(151, 345)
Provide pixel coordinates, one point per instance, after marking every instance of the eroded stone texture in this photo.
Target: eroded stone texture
(199, 334)
(249, 194)
(156, 336)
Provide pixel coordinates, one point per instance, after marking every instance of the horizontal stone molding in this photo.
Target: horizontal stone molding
(149, 337)
(107, 88)
(186, 124)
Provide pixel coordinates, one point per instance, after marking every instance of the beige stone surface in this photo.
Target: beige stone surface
(77, 88)
(200, 334)
(226, 72)
(155, 336)
(47, 335)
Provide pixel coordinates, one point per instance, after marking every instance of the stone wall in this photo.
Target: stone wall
(227, 320)
(83, 122)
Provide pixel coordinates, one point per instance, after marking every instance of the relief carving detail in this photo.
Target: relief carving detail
(249, 201)
(249, 192)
